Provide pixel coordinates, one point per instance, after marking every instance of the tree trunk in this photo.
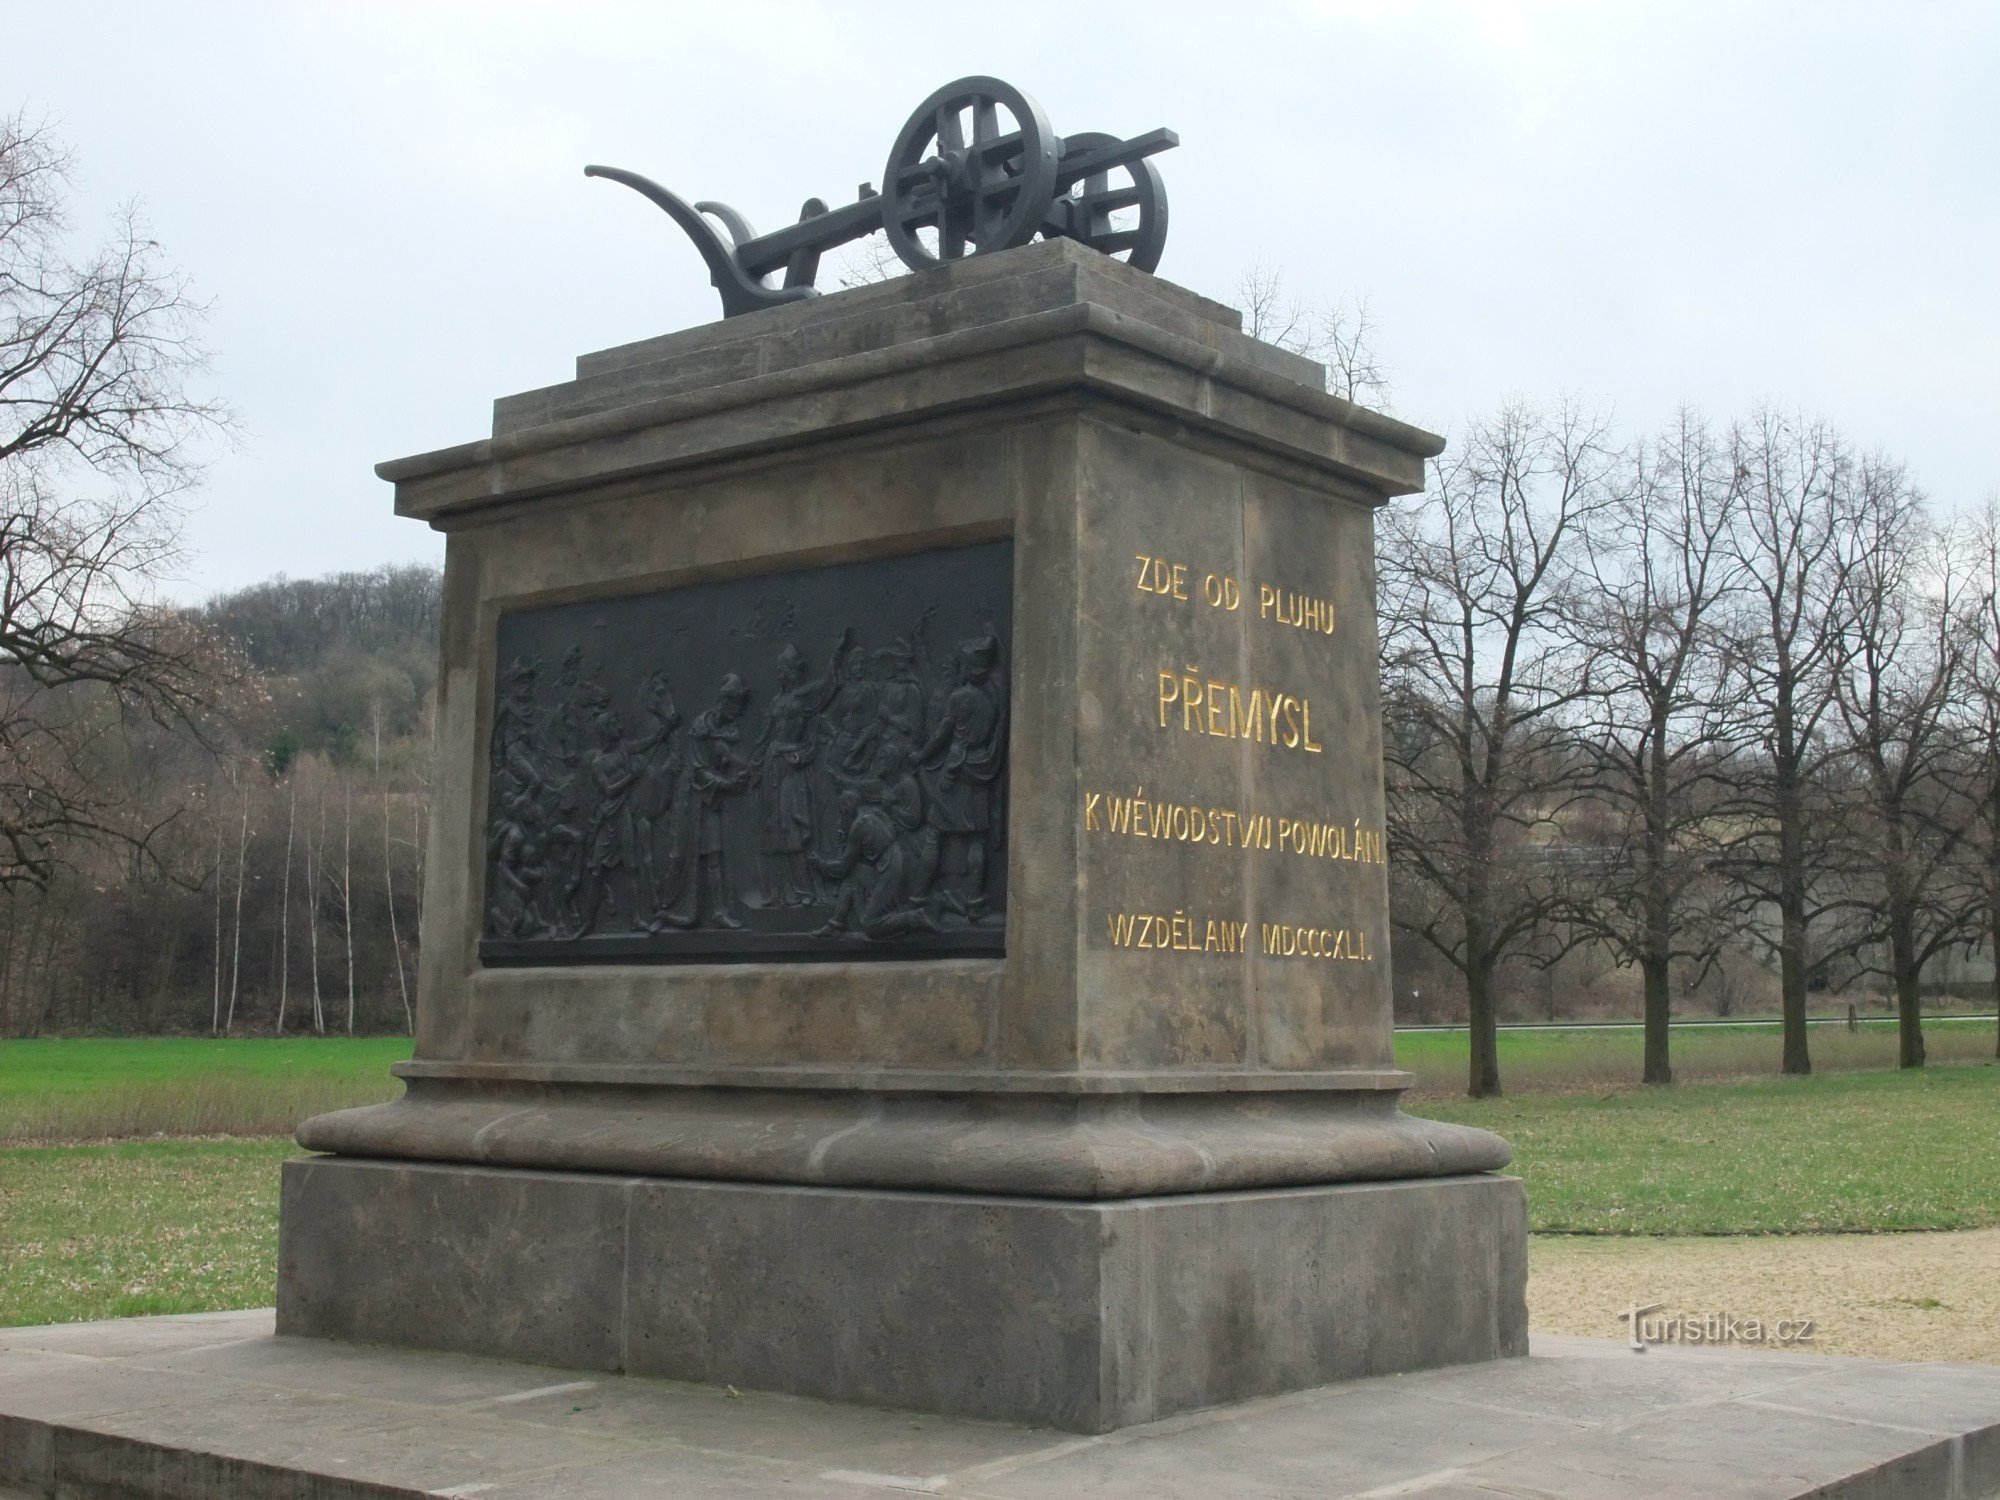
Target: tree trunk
(215, 1013)
(1792, 981)
(1993, 923)
(314, 870)
(417, 856)
(51, 994)
(11, 1008)
(1656, 962)
(1909, 1025)
(395, 937)
(1909, 1000)
(1792, 927)
(236, 948)
(1482, 1017)
(347, 891)
(285, 904)
(1791, 873)
(1482, 1021)
(1659, 1005)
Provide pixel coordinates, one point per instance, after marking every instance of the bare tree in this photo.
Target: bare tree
(285, 902)
(1340, 335)
(1793, 541)
(215, 874)
(867, 261)
(1980, 543)
(395, 935)
(1478, 584)
(418, 804)
(236, 949)
(389, 871)
(1663, 572)
(315, 870)
(100, 433)
(347, 888)
(1897, 693)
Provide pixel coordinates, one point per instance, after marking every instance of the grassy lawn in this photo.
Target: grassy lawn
(92, 1088)
(144, 1227)
(1591, 1058)
(1839, 1151)
(188, 1225)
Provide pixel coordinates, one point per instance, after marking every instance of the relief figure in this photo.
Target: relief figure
(785, 755)
(716, 770)
(663, 813)
(565, 848)
(850, 718)
(514, 719)
(875, 869)
(963, 761)
(610, 861)
(517, 868)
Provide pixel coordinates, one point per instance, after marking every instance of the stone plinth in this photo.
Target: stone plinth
(192, 1408)
(1086, 1315)
(922, 741)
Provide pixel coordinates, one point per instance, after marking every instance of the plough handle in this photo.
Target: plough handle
(740, 293)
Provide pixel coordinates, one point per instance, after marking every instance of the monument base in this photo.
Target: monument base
(1076, 1314)
(195, 1407)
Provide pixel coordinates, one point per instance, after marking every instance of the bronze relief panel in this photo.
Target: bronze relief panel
(800, 765)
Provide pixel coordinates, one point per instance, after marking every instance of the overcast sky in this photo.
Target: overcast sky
(1641, 203)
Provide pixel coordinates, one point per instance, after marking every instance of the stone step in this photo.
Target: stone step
(179, 1408)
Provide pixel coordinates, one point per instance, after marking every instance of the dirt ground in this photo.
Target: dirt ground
(1887, 1296)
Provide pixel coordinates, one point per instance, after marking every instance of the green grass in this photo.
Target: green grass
(181, 1225)
(54, 1090)
(1836, 1152)
(1593, 1059)
(153, 1227)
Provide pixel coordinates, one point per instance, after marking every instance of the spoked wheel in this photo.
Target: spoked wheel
(1121, 211)
(974, 170)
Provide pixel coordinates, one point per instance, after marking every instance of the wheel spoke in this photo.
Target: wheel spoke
(1001, 146)
(951, 233)
(975, 186)
(949, 136)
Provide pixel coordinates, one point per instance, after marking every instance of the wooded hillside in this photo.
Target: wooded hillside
(279, 889)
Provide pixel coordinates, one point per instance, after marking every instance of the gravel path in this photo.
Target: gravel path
(1890, 1296)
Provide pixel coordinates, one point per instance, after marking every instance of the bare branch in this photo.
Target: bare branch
(101, 433)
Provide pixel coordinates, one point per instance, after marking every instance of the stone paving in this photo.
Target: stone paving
(215, 1405)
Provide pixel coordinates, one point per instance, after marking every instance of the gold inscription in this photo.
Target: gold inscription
(1185, 932)
(1178, 933)
(1169, 580)
(1289, 608)
(1158, 576)
(1140, 817)
(1282, 940)
(1266, 716)
(1221, 591)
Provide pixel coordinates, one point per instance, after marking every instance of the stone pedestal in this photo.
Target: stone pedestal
(1086, 1315)
(908, 838)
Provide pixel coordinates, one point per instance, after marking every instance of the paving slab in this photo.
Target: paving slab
(219, 1405)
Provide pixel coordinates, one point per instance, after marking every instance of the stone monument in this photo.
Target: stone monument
(906, 908)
